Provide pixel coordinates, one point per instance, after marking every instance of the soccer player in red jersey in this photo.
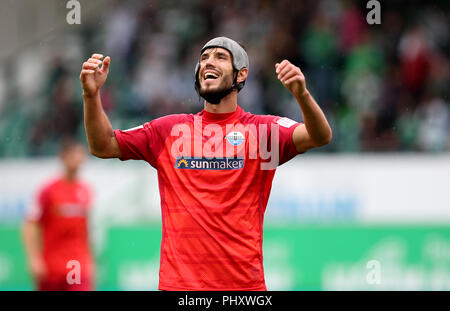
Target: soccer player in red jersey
(215, 168)
(55, 232)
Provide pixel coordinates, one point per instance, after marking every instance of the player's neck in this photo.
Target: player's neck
(226, 105)
(71, 175)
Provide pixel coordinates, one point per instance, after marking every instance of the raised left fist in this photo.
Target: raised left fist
(292, 77)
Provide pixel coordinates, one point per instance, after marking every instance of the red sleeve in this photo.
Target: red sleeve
(39, 204)
(285, 128)
(145, 142)
(137, 143)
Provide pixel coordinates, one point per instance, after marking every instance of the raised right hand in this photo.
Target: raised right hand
(92, 77)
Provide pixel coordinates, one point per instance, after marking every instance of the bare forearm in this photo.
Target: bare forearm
(315, 121)
(32, 241)
(98, 127)
(316, 131)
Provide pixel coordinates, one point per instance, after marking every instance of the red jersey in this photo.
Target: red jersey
(215, 176)
(61, 209)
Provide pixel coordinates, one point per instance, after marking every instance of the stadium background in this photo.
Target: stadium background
(379, 191)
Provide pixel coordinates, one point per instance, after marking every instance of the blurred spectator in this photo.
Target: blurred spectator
(414, 59)
(434, 122)
(320, 51)
(353, 25)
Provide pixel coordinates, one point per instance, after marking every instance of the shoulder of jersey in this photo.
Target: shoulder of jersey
(86, 185)
(49, 183)
(248, 117)
(170, 120)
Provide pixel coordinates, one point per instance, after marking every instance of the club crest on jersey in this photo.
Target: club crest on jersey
(235, 138)
(209, 163)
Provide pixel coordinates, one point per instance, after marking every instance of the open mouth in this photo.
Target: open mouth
(210, 75)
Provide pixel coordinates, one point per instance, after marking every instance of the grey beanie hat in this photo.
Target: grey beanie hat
(240, 57)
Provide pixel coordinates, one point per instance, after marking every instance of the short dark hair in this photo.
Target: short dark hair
(68, 144)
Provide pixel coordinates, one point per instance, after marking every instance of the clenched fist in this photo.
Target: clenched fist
(93, 77)
(292, 77)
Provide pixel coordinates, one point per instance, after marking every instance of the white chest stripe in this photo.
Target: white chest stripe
(134, 128)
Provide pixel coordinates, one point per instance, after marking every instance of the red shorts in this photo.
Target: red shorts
(60, 283)
(59, 277)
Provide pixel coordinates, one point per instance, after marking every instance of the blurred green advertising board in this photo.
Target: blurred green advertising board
(347, 257)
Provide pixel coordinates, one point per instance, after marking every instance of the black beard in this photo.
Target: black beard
(215, 96)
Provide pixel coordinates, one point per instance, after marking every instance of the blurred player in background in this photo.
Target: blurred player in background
(55, 232)
(212, 206)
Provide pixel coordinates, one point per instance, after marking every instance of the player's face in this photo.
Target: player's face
(216, 71)
(73, 158)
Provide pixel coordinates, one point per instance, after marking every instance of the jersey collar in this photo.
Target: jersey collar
(220, 117)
